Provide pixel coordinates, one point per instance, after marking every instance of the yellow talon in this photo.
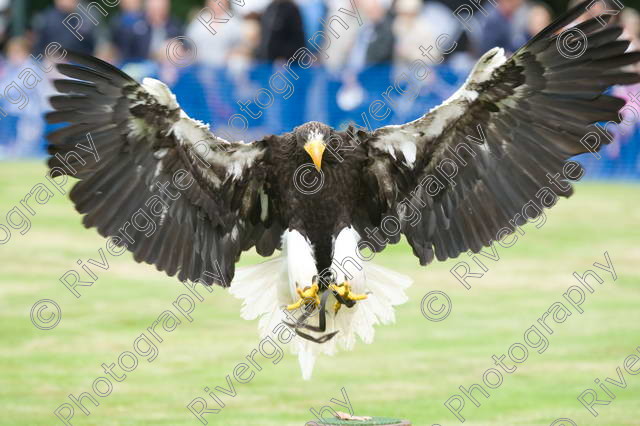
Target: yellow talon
(344, 290)
(357, 296)
(307, 296)
(294, 306)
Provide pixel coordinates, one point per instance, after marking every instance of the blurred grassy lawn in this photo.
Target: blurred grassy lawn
(409, 371)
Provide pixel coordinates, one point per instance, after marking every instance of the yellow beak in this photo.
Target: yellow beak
(315, 149)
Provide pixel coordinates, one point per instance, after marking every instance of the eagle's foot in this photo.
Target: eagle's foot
(343, 294)
(308, 297)
(322, 323)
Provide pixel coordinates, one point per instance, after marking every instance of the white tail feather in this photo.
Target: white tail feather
(265, 288)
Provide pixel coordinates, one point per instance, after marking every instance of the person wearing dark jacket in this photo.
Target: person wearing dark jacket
(281, 31)
(138, 36)
(49, 26)
(127, 29)
(375, 40)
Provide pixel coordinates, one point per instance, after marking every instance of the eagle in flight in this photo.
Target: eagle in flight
(452, 181)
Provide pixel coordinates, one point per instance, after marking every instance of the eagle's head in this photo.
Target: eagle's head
(313, 137)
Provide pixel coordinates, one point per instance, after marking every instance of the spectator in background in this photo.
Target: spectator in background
(255, 7)
(312, 12)
(373, 45)
(281, 31)
(539, 18)
(375, 40)
(5, 22)
(250, 36)
(340, 47)
(630, 20)
(138, 35)
(48, 27)
(596, 8)
(22, 129)
(128, 29)
(411, 30)
(505, 26)
(162, 27)
(442, 20)
(625, 151)
(215, 49)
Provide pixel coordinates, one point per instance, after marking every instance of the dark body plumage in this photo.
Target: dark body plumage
(522, 118)
(323, 209)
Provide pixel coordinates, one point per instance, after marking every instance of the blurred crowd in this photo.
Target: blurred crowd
(271, 30)
(235, 35)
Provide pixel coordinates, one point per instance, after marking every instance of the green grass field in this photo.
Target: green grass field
(410, 370)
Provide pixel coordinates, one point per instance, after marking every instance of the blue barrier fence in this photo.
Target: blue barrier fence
(275, 102)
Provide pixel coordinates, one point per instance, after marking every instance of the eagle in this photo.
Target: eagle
(452, 181)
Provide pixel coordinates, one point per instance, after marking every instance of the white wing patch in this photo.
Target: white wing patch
(264, 205)
(161, 92)
(404, 137)
(456, 105)
(400, 140)
(196, 136)
(139, 128)
(486, 65)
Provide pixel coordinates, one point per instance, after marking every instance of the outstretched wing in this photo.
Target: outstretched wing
(476, 167)
(156, 180)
